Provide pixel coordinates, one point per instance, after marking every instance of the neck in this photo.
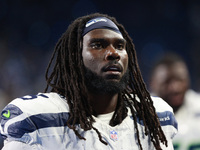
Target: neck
(103, 103)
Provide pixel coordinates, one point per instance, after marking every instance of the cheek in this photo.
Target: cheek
(124, 59)
(91, 61)
(88, 59)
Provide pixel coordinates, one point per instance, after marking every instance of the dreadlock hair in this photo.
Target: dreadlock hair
(67, 79)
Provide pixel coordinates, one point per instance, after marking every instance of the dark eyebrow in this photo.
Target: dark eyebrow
(123, 41)
(104, 40)
(97, 40)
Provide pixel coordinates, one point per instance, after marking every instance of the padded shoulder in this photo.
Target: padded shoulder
(41, 103)
(165, 113)
(160, 105)
(30, 113)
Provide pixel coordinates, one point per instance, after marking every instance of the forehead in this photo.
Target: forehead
(177, 70)
(102, 33)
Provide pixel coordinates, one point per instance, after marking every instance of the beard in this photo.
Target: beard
(99, 85)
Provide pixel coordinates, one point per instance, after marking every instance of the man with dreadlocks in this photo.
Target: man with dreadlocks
(97, 101)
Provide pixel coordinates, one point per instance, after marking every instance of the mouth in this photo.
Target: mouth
(113, 68)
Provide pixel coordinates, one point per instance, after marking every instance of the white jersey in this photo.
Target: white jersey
(39, 123)
(188, 118)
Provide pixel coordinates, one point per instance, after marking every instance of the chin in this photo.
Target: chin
(112, 78)
(109, 84)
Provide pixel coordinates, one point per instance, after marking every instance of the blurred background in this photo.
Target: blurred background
(29, 30)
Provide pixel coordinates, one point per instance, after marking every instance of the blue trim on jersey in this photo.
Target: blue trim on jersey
(14, 111)
(35, 122)
(165, 118)
(32, 97)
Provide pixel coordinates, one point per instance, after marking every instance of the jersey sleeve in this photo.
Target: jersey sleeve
(15, 123)
(167, 119)
(23, 117)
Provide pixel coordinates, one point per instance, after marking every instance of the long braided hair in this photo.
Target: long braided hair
(67, 79)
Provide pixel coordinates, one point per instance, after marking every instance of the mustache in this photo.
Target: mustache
(115, 64)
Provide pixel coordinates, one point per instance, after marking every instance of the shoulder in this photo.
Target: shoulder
(29, 113)
(191, 106)
(160, 105)
(166, 116)
(192, 98)
(40, 103)
(192, 94)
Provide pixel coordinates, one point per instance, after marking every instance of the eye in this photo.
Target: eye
(120, 46)
(96, 45)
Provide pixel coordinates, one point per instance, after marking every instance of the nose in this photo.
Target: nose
(174, 85)
(112, 54)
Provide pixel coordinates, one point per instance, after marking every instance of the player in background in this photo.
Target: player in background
(170, 80)
(97, 100)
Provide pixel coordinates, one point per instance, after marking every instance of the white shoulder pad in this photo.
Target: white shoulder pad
(41, 103)
(160, 105)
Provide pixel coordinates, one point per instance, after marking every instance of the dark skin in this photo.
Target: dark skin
(171, 83)
(100, 47)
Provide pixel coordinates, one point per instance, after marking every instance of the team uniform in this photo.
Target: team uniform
(188, 118)
(39, 123)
